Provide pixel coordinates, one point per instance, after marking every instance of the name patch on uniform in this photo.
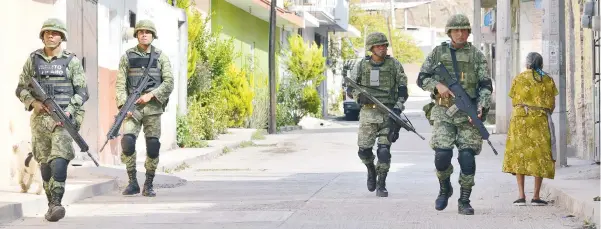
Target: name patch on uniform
(50, 69)
(374, 77)
(452, 110)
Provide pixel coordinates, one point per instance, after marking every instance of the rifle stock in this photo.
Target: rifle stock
(398, 120)
(464, 102)
(58, 115)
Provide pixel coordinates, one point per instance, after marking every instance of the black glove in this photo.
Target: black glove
(364, 100)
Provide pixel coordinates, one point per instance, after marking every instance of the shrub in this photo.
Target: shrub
(297, 96)
(305, 62)
(206, 117)
(218, 97)
(310, 101)
(185, 138)
(238, 96)
(260, 105)
(336, 101)
(201, 80)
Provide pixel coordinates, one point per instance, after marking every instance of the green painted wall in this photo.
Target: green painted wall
(246, 29)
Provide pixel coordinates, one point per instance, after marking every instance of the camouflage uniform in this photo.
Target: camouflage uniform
(131, 68)
(450, 127)
(63, 77)
(389, 86)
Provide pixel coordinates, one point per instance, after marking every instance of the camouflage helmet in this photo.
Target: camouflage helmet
(376, 38)
(145, 25)
(54, 24)
(458, 21)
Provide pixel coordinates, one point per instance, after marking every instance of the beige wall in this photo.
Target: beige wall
(579, 84)
(579, 75)
(203, 6)
(20, 39)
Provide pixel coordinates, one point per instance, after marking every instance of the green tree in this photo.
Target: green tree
(297, 96)
(404, 47)
(305, 62)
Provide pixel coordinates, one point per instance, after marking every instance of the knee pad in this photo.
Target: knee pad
(128, 144)
(442, 159)
(365, 153)
(152, 147)
(59, 169)
(467, 161)
(45, 171)
(384, 154)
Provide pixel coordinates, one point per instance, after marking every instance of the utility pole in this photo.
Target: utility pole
(272, 80)
(554, 63)
(504, 66)
(391, 47)
(392, 13)
(477, 25)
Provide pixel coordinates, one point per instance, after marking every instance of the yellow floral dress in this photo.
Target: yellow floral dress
(528, 146)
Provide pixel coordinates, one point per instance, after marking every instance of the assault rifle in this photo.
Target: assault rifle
(130, 103)
(463, 101)
(58, 115)
(400, 121)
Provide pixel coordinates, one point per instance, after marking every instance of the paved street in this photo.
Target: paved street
(314, 179)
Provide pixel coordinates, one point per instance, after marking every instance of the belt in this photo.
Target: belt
(445, 102)
(526, 108)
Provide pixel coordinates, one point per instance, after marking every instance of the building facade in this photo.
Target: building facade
(98, 32)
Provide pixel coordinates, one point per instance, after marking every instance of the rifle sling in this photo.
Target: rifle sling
(455, 66)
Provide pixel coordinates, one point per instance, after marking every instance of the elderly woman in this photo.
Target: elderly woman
(530, 139)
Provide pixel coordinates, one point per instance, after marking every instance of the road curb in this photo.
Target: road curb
(215, 153)
(10, 212)
(289, 128)
(35, 207)
(579, 208)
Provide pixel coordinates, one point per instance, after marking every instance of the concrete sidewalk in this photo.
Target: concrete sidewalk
(80, 185)
(573, 188)
(88, 180)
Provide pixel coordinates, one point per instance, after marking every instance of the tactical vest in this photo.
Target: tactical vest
(386, 91)
(135, 72)
(53, 77)
(465, 62)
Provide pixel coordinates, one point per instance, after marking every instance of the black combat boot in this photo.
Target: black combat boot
(57, 211)
(50, 205)
(148, 191)
(133, 187)
(446, 191)
(371, 177)
(464, 202)
(381, 187)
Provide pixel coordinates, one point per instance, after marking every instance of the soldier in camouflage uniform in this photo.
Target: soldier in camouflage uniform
(150, 105)
(450, 126)
(61, 74)
(384, 78)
